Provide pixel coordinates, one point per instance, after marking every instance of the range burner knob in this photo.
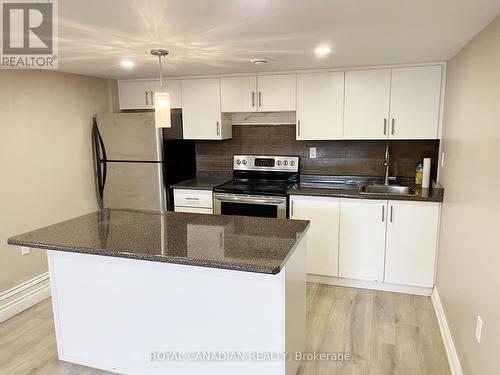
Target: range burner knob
(292, 163)
(238, 161)
(285, 163)
(278, 162)
(244, 162)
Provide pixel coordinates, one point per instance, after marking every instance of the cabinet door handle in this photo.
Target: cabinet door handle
(298, 128)
(253, 98)
(385, 126)
(152, 97)
(218, 127)
(383, 213)
(291, 209)
(392, 126)
(390, 219)
(260, 98)
(147, 101)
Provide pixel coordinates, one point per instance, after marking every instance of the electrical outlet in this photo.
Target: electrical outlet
(479, 328)
(25, 250)
(442, 159)
(312, 152)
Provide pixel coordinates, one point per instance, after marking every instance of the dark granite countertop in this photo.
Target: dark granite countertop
(201, 183)
(239, 243)
(331, 186)
(348, 187)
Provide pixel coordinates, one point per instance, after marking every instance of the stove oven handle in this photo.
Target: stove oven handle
(246, 199)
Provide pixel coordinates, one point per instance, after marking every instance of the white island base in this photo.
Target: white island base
(118, 314)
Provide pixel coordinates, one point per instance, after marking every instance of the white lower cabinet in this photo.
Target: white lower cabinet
(412, 229)
(394, 242)
(362, 239)
(322, 238)
(193, 200)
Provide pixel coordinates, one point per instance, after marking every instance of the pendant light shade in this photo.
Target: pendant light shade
(162, 97)
(162, 110)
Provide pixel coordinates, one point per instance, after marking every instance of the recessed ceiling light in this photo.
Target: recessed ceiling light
(127, 64)
(259, 61)
(322, 51)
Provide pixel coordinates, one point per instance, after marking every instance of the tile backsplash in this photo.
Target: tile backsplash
(355, 158)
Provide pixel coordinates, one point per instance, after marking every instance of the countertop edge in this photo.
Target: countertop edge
(200, 183)
(210, 184)
(294, 247)
(164, 259)
(320, 192)
(192, 187)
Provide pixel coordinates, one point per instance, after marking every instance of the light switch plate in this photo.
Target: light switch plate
(312, 152)
(25, 250)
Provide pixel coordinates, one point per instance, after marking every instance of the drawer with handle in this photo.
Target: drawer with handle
(193, 198)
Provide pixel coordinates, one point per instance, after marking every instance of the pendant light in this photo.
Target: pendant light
(162, 97)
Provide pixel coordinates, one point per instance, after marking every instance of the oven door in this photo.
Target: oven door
(250, 205)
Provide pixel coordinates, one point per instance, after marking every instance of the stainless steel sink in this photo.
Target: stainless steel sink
(387, 189)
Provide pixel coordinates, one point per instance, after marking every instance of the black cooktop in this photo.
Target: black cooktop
(256, 187)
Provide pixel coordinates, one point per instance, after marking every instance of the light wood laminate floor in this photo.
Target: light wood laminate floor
(386, 333)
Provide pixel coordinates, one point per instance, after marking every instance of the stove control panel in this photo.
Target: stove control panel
(266, 163)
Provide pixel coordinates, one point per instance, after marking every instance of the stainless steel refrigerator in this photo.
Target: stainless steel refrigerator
(135, 162)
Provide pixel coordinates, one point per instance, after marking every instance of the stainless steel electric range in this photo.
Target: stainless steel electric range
(258, 187)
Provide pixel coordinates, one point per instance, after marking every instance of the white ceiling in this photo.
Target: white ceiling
(220, 36)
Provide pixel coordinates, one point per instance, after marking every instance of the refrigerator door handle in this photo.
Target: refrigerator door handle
(104, 164)
(97, 156)
(102, 167)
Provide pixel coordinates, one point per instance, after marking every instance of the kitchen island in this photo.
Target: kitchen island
(139, 292)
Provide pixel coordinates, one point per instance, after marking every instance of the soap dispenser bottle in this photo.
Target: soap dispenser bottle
(419, 175)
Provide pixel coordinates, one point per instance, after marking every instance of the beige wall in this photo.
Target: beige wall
(468, 277)
(45, 158)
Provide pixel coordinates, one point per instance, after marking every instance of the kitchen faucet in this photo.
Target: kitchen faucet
(387, 160)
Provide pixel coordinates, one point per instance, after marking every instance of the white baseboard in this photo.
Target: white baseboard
(451, 352)
(23, 296)
(372, 285)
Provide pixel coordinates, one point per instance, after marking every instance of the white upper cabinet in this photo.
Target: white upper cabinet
(362, 239)
(415, 102)
(276, 93)
(320, 106)
(323, 235)
(134, 95)
(398, 103)
(173, 87)
(201, 110)
(270, 93)
(412, 229)
(139, 94)
(366, 112)
(239, 94)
